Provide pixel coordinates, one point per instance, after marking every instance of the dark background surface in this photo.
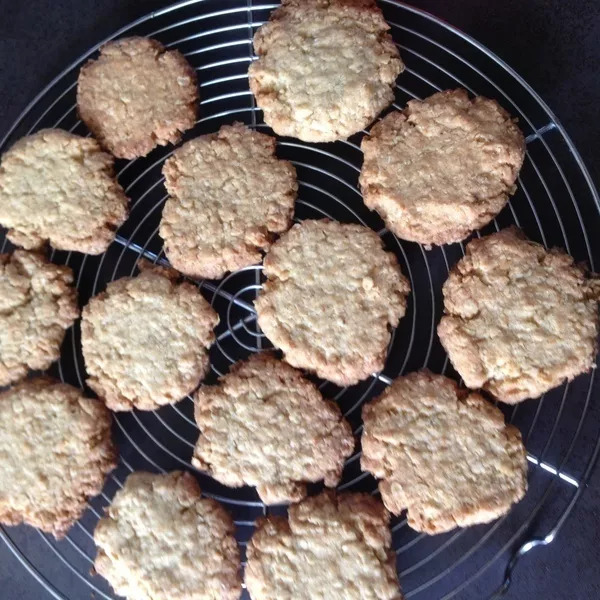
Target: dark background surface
(554, 45)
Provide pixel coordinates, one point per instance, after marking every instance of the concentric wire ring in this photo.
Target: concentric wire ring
(556, 204)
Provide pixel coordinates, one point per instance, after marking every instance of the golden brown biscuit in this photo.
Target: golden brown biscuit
(60, 188)
(325, 68)
(264, 424)
(442, 167)
(160, 540)
(145, 340)
(519, 319)
(331, 296)
(229, 195)
(55, 452)
(333, 546)
(137, 95)
(442, 453)
(37, 305)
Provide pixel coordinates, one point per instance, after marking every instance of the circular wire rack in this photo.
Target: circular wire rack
(555, 203)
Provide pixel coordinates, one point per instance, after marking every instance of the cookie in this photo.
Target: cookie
(441, 168)
(37, 305)
(55, 452)
(60, 188)
(145, 340)
(229, 196)
(331, 296)
(160, 540)
(519, 320)
(325, 68)
(442, 453)
(264, 424)
(137, 95)
(333, 546)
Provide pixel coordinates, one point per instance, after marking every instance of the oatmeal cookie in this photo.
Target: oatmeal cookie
(137, 95)
(60, 188)
(442, 453)
(441, 168)
(325, 68)
(519, 320)
(264, 424)
(331, 296)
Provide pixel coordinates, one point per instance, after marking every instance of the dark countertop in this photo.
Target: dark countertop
(553, 44)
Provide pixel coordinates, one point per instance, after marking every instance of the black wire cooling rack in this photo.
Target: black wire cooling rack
(556, 204)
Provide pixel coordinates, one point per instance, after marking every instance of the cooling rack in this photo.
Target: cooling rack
(556, 204)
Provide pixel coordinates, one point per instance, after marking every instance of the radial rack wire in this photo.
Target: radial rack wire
(556, 204)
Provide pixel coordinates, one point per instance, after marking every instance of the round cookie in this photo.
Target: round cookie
(264, 424)
(442, 453)
(55, 452)
(441, 168)
(145, 340)
(519, 320)
(60, 188)
(37, 305)
(137, 95)
(325, 68)
(331, 296)
(333, 546)
(160, 540)
(229, 195)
